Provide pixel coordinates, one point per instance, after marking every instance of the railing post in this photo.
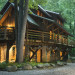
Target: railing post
(42, 36)
(58, 36)
(5, 33)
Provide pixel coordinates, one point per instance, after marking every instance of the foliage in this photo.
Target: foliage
(34, 3)
(2, 3)
(3, 65)
(66, 9)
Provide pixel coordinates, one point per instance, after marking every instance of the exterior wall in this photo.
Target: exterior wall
(13, 52)
(39, 55)
(48, 56)
(3, 48)
(31, 53)
(44, 54)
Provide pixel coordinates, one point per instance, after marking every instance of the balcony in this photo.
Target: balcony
(6, 33)
(45, 37)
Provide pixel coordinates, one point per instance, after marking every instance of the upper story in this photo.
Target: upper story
(49, 14)
(42, 25)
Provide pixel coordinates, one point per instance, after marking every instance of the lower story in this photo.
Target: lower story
(36, 53)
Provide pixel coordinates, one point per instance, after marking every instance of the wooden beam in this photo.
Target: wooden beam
(56, 29)
(6, 15)
(35, 52)
(31, 50)
(49, 25)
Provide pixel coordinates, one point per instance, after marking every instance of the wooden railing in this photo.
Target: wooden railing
(34, 35)
(40, 36)
(6, 33)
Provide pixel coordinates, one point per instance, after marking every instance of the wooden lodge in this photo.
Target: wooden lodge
(46, 39)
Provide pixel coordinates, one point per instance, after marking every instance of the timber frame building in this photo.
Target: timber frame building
(46, 39)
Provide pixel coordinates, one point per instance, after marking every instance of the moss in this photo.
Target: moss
(3, 65)
(34, 63)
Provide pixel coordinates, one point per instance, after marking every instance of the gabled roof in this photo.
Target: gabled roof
(30, 20)
(56, 14)
(3, 11)
(61, 27)
(5, 7)
(42, 10)
(49, 13)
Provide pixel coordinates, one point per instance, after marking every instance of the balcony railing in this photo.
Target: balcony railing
(39, 36)
(6, 33)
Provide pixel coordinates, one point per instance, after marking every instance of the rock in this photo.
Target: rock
(52, 64)
(19, 68)
(27, 67)
(11, 68)
(69, 61)
(40, 66)
(34, 67)
(73, 61)
(46, 65)
(8, 68)
(60, 63)
(65, 63)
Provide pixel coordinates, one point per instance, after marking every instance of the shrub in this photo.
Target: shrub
(3, 65)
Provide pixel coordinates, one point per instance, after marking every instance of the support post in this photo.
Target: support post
(27, 54)
(44, 54)
(7, 52)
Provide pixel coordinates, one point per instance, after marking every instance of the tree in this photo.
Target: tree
(20, 24)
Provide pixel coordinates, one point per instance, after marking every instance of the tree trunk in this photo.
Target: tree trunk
(16, 24)
(21, 29)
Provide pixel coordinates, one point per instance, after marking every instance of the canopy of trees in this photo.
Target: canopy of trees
(66, 8)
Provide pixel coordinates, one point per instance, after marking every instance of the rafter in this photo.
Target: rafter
(49, 25)
(56, 29)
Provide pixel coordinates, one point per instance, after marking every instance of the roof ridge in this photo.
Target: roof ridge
(44, 11)
(52, 12)
(4, 7)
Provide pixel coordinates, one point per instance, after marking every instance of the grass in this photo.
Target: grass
(4, 64)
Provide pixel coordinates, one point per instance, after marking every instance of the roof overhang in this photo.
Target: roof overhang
(61, 27)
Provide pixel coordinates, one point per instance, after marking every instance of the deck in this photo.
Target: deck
(6, 33)
(34, 37)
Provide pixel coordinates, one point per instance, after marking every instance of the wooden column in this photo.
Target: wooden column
(48, 56)
(53, 33)
(58, 36)
(0, 53)
(27, 53)
(44, 54)
(39, 55)
(9, 44)
(5, 33)
(42, 36)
